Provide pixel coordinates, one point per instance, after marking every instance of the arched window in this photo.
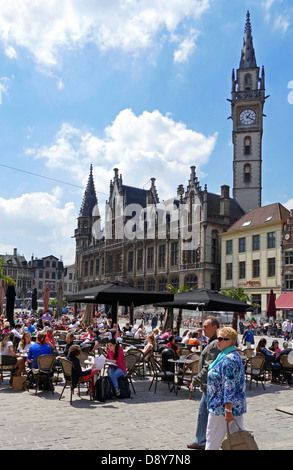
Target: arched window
(247, 146)
(247, 81)
(247, 173)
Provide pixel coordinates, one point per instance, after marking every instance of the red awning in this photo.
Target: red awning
(285, 301)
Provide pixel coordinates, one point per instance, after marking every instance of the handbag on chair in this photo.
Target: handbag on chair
(239, 440)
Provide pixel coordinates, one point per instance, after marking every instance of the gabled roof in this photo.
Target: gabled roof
(214, 206)
(260, 216)
(135, 195)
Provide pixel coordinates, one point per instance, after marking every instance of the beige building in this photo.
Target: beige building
(251, 254)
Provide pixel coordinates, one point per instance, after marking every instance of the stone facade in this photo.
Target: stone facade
(152, 255)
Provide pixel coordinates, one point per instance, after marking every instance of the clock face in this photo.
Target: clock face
(247, 117)
(287, 236)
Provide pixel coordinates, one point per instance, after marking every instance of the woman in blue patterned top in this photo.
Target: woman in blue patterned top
(225, 390)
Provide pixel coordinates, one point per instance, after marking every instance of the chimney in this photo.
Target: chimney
(15, 252)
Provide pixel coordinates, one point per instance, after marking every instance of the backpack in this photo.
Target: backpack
(124, 387)
(103, 389)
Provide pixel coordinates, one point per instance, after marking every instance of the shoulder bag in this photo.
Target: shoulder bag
(239, 440)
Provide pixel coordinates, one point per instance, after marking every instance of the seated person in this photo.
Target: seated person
(8, 357)
(140, 332)
(193, 340)
(29, 327)
(166, 335)
(69, 342)
(151, 344)
(25, 343)
(178, 338)
(171, 344)
(115, 355)
(270, 363)
(274, 348)
(38, 349)
(186, 337)
(126, 329)
(50, 339)
(78, 375)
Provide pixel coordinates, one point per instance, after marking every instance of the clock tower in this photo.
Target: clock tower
(248, 98)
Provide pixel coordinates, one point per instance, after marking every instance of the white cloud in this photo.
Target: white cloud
(186, 47)
(38, 220)
(155, 144)
(4, 87)
(47, 28)
(281, 22)
(11, 52)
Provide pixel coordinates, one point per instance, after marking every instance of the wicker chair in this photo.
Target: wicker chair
(67, 368)
(130, 363)
(286, 368)
(189, 370)
(160, 372)
(255, 369)
(43, 374)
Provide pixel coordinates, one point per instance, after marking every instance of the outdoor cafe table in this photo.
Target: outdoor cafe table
(178, 362)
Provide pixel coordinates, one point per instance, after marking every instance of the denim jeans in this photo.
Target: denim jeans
(202, 421)
(114, 374)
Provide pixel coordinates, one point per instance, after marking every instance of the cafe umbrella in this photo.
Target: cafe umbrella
(10, 299)
(59, 298)
(271, 307)
(35, 299)
(206, 300)
(46, 297)
(209, 300)
(118, 293)
(2, 295)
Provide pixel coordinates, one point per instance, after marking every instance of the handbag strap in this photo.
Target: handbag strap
(228, 430)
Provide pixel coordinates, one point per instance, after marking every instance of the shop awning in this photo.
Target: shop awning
(285, 301)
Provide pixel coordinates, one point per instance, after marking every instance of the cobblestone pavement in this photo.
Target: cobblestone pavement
(158, 421)
(148, 421)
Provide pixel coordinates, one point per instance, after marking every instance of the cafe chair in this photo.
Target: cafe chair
(189, 371)
(67, 368)
(248, 352)
(286, 369)
(43, 374)
(130, 363)
(255, 370)
(159, 372)
(184, 351)
(6, 370)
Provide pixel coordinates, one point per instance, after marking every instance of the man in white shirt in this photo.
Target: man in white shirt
(17, 331)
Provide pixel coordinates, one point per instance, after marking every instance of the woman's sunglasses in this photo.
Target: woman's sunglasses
(222, 339)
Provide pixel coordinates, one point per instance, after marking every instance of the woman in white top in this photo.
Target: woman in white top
(151, 344)
(9, 357)
(25, 342)
(140, 331)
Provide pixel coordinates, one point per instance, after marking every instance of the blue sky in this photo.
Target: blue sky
(137, 85)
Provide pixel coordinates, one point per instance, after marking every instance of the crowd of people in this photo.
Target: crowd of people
(221, 374)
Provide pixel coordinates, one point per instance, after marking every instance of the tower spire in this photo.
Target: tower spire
(248, 60)
(90, 198)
